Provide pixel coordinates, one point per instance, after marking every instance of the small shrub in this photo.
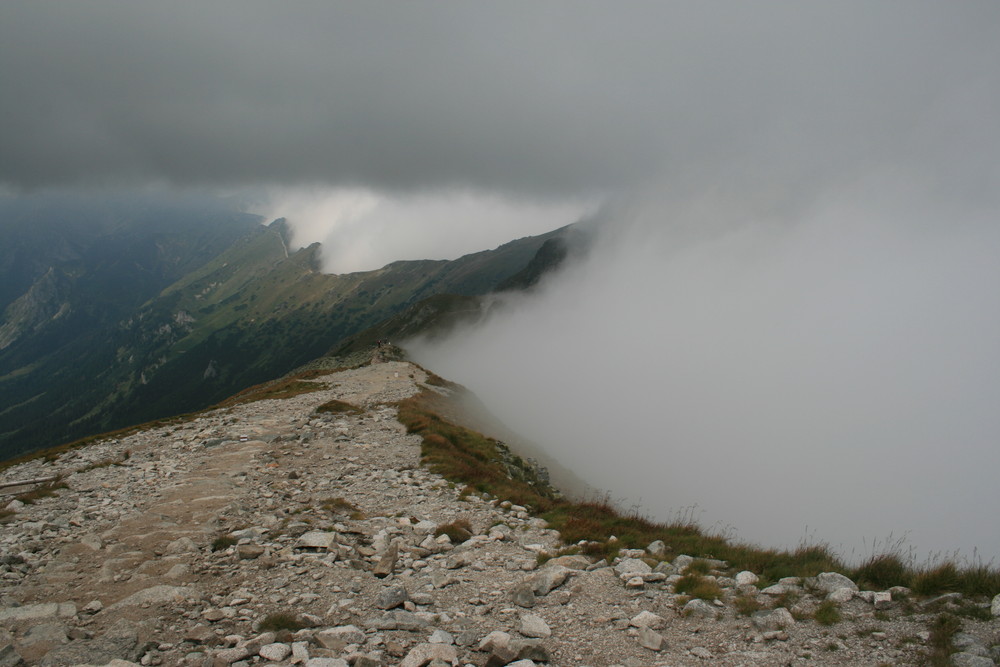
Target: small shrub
(457, 531)
(281, 621)
(223, 542)
(828, 613)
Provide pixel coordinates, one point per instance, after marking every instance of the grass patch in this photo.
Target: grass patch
(883, 571)
(335, 407)
(279, 621)
(941, 645)
(223, 542)
(746, 605)
(828, 613)
(941, 578)
(457, 531)
(696, 586)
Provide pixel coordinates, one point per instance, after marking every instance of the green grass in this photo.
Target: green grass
(696, 586)
(882, 571)
(746, 605)
(828, 613)
(940, 645)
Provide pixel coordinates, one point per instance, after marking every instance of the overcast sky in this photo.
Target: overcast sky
(765, 169)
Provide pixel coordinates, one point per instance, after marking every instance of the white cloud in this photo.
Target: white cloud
(363, 229)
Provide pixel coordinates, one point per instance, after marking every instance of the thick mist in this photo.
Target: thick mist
(829, 375)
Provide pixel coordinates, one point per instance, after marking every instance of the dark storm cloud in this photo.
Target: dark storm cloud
(539, 98)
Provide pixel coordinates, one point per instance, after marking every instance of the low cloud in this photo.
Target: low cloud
(828, 375)
(363, 229)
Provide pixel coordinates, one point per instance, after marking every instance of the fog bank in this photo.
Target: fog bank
(830, 374)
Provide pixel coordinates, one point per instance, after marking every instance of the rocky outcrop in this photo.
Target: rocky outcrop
(268, 533)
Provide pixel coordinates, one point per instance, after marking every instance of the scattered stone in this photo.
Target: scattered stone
(701, 609)
(275, 652)
(523, 595)
(249, 551)
(827, 582)
(651, 639)
(422, 654)
(775, 619)
(535, 626)
(339, 637)
(647, 619)
(392, 597)
(387, 563)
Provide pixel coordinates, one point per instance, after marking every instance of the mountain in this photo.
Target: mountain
(124, 311)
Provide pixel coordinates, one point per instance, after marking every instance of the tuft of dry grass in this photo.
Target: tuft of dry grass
(342, 506)
(279, 621)
(335, 407)
(457, 531)
(41, 491)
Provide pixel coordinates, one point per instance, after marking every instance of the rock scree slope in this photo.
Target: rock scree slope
(274, 533)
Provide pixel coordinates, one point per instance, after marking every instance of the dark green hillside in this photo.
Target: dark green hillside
(250, 312)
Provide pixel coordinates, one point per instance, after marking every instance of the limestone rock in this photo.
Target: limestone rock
(159, 595)
(317, 540)
(657, 549)
(651, 639)
(647, 619)
(701, 609)
(995, 606)
(422, 654)
(775, 619)
(632, 566)
(535, 626)
(339, 637)
(746, 578)
(827, 582)
(275, 652)
(523, 595)
(387, 563)
(391, 597)
(549, 578)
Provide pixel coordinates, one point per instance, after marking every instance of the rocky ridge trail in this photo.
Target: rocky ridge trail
(179, 545)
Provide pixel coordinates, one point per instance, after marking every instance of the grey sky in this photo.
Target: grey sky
(543, 99)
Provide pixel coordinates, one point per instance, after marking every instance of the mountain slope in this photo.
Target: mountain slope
(106, 347)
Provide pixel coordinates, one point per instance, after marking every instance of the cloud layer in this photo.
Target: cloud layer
(832, 378)
(551, 99)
